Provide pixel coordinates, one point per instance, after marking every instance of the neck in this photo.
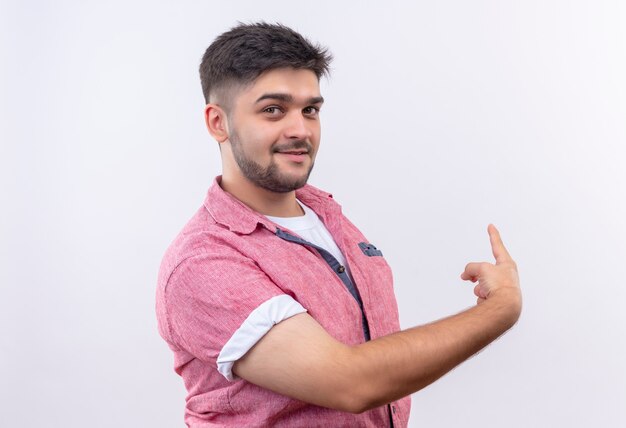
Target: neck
(262, 200)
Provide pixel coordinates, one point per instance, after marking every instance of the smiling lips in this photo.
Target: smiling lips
(294, 155)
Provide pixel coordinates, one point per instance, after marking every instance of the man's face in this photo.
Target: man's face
(274, 129)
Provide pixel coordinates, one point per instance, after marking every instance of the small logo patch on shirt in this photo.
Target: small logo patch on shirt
(369, 249)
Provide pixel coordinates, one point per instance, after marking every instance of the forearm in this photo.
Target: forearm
(396, 365)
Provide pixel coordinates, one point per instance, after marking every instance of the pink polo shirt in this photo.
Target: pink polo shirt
(227, 262)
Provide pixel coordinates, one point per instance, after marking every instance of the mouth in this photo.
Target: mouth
(294, 152)
(297, 156)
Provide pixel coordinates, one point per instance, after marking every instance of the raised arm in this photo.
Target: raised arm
(299, 359)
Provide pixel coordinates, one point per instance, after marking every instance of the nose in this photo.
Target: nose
(299, 127)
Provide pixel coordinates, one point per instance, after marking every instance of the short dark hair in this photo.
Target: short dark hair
(240, 55)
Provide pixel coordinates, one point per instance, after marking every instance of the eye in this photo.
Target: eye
(272, 110)
(311, 111)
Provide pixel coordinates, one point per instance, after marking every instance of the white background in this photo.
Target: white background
(440, 118)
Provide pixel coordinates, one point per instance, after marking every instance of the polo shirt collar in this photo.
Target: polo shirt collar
(238, 217)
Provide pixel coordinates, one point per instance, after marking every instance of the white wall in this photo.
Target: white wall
(444, 116)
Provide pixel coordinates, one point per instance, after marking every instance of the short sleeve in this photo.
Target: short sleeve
(219, 304)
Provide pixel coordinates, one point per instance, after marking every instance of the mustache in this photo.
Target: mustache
(294, 145)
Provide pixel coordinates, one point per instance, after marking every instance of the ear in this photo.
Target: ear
(216, 122)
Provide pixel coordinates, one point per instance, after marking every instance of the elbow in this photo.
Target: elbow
(355, 391)
(356, 399)
(357, 406)
(364, 399)
(351, 405)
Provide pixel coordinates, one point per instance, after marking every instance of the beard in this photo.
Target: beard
(270, 177)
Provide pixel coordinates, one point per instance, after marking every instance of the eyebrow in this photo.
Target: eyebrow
(287, 98)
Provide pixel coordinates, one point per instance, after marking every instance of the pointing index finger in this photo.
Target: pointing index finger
(497, 246)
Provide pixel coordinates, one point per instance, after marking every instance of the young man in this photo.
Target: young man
(278, 310)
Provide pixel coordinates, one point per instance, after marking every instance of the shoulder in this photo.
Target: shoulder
(200, 239)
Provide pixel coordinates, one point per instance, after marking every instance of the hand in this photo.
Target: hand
(493, 279)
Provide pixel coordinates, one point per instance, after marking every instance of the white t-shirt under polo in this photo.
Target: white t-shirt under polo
(310, 228)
